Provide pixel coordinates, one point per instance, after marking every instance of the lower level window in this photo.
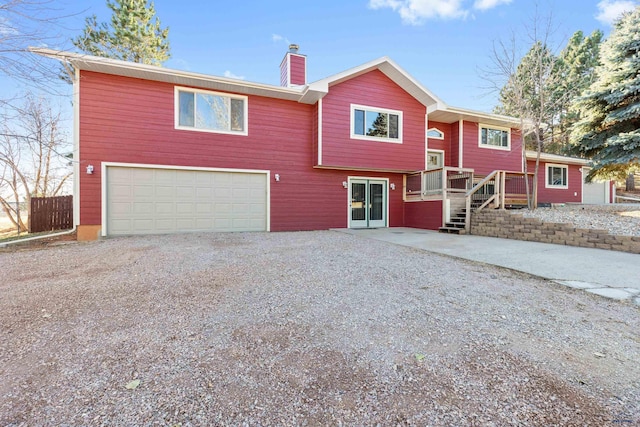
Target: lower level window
(557, 176)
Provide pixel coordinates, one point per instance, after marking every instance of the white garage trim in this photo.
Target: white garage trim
(106, 165)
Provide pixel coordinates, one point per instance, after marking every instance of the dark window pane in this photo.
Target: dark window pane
(237, 115)
(393, 126)
(186, 109)
(358, 122)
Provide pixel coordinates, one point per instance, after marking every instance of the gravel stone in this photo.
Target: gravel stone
(617, 219)
(306, 328)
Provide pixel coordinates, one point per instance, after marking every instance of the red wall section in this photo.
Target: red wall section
(486, 160)
(132, 121)
(558, 195)
(372, 89)
(427, 214)
(298, 69)
(454, 153)
(441, 144)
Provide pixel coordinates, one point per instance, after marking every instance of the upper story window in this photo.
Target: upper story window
(435, 133)
(376, 124)
(557, 176)
(495, 137)
(210, 111)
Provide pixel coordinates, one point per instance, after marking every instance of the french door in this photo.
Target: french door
(367, 203)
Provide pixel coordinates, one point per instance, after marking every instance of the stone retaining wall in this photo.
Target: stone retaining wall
(508, 225)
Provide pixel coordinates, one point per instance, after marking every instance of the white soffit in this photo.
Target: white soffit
(448, 114)
(547, 157)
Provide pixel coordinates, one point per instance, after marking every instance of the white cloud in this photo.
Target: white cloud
(276, 38)
(230, 75)
(489, 4)
(610, 10)
(415, 12)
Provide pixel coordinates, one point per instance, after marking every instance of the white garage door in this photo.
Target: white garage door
(594, 193)
(155, 201)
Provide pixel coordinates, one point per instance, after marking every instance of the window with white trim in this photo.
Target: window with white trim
(435, 133)
(494, 137)
(376, 124)
(435, 159)
(557, 176)
(210, 111)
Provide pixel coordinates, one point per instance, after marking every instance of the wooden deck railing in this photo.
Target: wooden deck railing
(438, 182)
(499, 189)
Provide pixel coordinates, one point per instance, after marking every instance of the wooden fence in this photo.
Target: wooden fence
(51, 213)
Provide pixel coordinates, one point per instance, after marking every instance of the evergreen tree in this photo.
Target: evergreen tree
(134, 34)
(380, 127)
(608, 131)
(575, 71)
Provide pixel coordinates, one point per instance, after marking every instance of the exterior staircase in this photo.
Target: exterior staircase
(457, 223)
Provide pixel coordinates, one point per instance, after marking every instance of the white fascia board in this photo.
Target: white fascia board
(389, 68)
(168, 75)
(548, 157)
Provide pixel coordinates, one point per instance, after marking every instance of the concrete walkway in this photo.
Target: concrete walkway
(611, 274)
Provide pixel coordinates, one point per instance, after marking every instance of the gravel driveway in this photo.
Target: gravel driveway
(307, 328)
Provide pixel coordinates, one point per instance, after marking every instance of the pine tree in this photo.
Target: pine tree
(134, 34)
(575, 71)
(380, 127)
(608, 131)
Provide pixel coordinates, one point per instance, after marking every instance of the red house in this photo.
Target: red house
(162, 151)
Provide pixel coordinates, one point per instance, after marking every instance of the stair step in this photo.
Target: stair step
(452, 230)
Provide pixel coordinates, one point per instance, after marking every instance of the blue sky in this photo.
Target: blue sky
(442, 43)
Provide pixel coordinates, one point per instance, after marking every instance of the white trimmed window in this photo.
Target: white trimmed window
(557, 176)
(435, 133)
(435, 159)
(494, 137)
(210, 111)
(376, 124)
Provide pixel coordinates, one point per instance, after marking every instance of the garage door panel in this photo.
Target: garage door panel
(144, 201)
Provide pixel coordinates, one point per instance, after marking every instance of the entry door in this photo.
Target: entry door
(368, 203)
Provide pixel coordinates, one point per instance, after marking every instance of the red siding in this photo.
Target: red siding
(298, 69)
(372, 89)
(454, 153)
(132, 121)
(441, 144)
(485, 160)
(573, 194)
(426, 214)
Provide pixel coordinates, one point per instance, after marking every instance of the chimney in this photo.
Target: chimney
(293, 68)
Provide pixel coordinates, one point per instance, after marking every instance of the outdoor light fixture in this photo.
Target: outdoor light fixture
(393, 186)
(277, 177)
(344, 184)
(89, 169)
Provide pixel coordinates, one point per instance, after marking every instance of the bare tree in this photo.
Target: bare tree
(25, 23)
(33, 157)
(526, 84)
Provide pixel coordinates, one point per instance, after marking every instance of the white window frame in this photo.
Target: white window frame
(375, 110)
(433, 151)
(435, 137)
(494, 147)
(546, 176)
(176, 112)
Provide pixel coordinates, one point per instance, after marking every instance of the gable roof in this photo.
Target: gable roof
(390, 69)
(437, 109)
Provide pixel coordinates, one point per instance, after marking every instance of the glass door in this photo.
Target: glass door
(368, 203)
